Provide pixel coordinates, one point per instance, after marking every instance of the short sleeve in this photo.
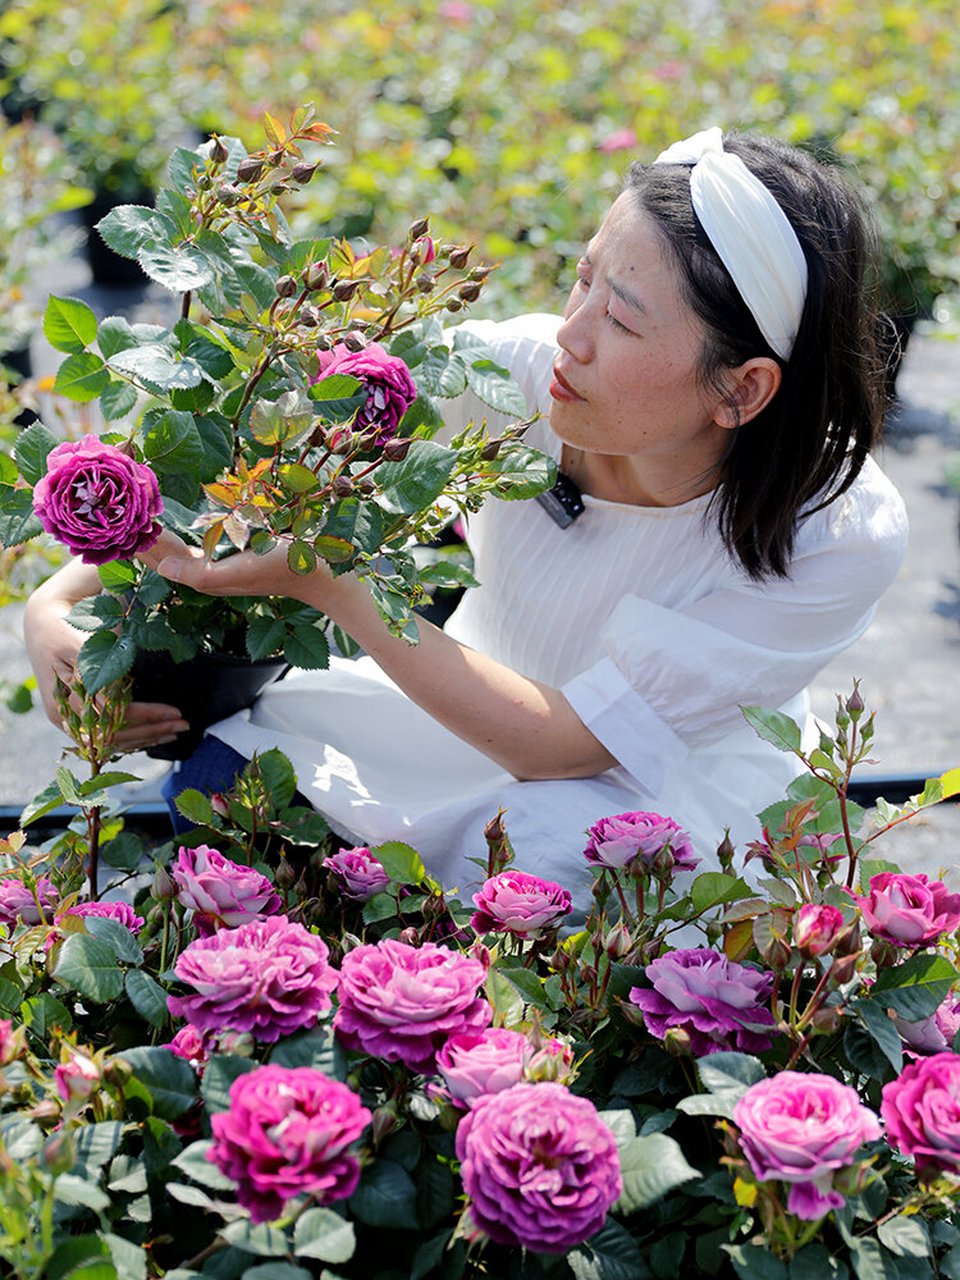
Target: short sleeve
(673, 680)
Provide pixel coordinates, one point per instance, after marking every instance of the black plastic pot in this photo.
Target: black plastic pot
(108, 267)
(20, 364)
(205, 689)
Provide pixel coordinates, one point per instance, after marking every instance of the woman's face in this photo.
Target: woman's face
(625, 380)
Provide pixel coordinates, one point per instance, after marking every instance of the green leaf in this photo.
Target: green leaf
(194, 1163)
(307, 647)
(117, 937)
(323, 1234)
(195, 805)
(18, 523)
(31, 450)
(147, 997)
(871, 1261)
(386, 1196)
(493, 384)
(914, 989)
(180, 268)
(97, 1143)
(720, 1072)
(128, 1258)
(713, 888)
(89, 966)
(169, 1080)
(117, 399)
(447, 575)
(755, 1262)
(278, 776)
(298, 479)
(774, 727)
(411, 485)
(43, 1013)
(220, 1073)
(273, 1271)
(814, 1262)
(314, 1048)
(264, 637)
(158, 365)
(81, 1258)
(129, 227)
(43, 803)
(116, 333)
(81, 377)
(611, 1254)
(173, 443)
(523, 472)
(883, 1031)
(69, 325)
(117, 575)
(441, 373)
(263, 1240)
(650, 1166)
(72, 1189)
(104, 657)
(907, 1237)
(401, 862)
(338, 397)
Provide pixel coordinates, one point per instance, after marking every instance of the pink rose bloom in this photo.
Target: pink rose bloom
(618, 840)
(359, 875)
(456, 11)
(478, 1062)
(77, 1078)
(816, 928)
(97, 501)
(539, 1166)
(269, 977)
(801, 1127)
(619, 140)
(13, 1041)
(386, 379)
(909, 911)
(403, 1003)
(288, 1132)
(122, 912)
(221, 893)
(921, 1111)
(521, 904)
(18, 905)
(936, 1033)
(719, 1004)
(192, 1046)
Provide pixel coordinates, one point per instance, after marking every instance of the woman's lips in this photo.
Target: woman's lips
(560, 388)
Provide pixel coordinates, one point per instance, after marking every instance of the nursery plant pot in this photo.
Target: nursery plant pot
(108, 267)
(205, 688)
(20, 363)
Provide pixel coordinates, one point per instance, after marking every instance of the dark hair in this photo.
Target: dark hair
(808, 445)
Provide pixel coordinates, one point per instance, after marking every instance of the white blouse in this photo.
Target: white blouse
(639, 615)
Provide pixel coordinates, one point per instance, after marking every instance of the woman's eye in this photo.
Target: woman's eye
(616, 323)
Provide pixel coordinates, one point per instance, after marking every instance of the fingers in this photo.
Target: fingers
(149, 724)
(168, 544)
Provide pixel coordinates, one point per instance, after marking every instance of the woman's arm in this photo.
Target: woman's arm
(53, 644)
(525, 726)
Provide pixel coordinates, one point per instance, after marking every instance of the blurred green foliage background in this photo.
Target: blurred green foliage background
(510, 122)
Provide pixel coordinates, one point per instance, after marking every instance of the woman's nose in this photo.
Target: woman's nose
(575, 335)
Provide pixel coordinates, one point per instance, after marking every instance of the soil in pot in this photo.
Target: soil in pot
(205, 689)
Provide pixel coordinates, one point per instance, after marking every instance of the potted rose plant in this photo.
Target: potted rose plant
(293, 401)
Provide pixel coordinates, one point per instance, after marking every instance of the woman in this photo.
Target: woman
(713, 394)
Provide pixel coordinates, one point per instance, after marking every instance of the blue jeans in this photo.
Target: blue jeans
(213, 767)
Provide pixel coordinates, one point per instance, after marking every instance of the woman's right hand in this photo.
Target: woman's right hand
(53, 644)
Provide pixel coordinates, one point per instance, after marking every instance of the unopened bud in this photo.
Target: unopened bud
(842, 970)
(479, 273)
(275, 157)
(425, 282)
(816, 928)
(494, 831)
(343, 486)
(418, 228)
(552, 1060)
(240, 1043)
(116, 1072)
(776, 954)
(618, 942)
(397, 449)
(854, 704)
(481, 952)
(164, 886)
(725, 853)
(59, 1153)
(677, 1042)
(354, 341)
(384, 1122)
(286, 286)
(490, 450)
(410, 936)
(229, 194)
(303, 172)
(366, 487)
(286, 875)
(459, 255)
(315, 276)
(323, 342)
(249, 169)
(453, 304)
(309, 317)
(219, 153)
(344, 290)
(827, 1021)
(469, 292)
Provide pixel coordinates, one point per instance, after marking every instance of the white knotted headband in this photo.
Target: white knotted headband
(750, 232)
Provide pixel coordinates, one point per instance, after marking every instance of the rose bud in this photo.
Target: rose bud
(275, 157)
(397, 449)
(344, 290)
(249, 169)
(469, 292)
(164, 886)
(677, 1042)
(454, 304)
(304, 171)
(816, 928)
(490, 451)
(855, 704)
(323, 342)
(343, 486)
(459, 255)
(425, 282)
(366, 487)
(286, 286)
(286, 875)
(315, 276)
(354, 341)
(418, 228)
(219, 153)
(229, 194)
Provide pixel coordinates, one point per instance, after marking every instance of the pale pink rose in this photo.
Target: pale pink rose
(221, 893)
(358, 874)
(77, 1078)
(518, 903)
(801, 1128)
(13, 1041)
(478, 1062)
(909, 910)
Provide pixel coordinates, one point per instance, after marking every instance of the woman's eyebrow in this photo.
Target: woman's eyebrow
(626, 296)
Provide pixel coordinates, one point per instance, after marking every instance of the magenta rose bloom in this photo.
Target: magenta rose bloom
(816, 928)
(192, 1046)
(122, 912)
(802, 1127)
(359, 875)
(288, 1132)
(478, 1062)
(921, 1111)
(521, 904)
(403, 1003)
(539, 1166)
(18, 905)
(619, 840)
(387, 381)
(97, 501)
(909, 911)
(269, 977)
(719, 1004)
(221, 893)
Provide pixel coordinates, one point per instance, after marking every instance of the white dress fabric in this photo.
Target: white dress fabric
(653, 633)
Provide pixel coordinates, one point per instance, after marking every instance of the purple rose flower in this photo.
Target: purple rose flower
(98, 501)
(539, 1166)
(719, 1004)
(403, 1003)
(618, 840)
(359, 875)
(220, 892)
(921, 1111)
(521, 904)
(122, 912)
(801, 1127)
(19, 905)
(478, 1062)
(387, 381)
(269, 977)
(936, 1033)
(288, 1132)
(909, 911)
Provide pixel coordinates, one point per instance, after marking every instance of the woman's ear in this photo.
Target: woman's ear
(749, 389)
